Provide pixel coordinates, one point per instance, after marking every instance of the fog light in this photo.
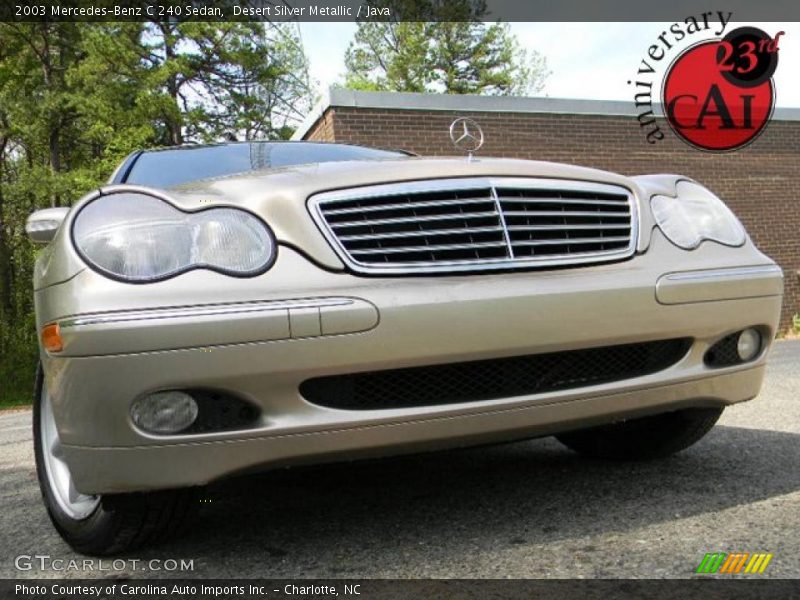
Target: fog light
(164, 412)
(749, 344)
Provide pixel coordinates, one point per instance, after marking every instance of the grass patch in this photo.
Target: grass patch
(16, 388)
(18, 360)
(14, 401)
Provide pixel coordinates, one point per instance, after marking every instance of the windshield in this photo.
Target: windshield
(166, 168)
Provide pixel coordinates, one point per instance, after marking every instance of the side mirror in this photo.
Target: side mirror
(42, 225)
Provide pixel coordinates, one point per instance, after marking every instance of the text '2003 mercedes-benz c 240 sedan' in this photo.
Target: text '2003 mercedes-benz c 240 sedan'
(223, 309)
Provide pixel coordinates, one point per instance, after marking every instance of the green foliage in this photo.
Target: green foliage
(455, 57)
(76, 98)
(389, 56)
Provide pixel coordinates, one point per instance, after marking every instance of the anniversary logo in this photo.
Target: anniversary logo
(717, 94)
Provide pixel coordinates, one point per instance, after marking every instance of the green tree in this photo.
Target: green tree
(456, 53)
(476, 58)
(389, 57)
(38, 133)
(213, 80)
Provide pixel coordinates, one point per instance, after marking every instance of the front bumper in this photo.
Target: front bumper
(260, 346)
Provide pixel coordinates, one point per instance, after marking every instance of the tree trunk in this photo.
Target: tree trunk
(54, 134)
(6, 306)
(54, 143)
(173, 123)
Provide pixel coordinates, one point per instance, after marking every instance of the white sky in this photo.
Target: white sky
(587, 60)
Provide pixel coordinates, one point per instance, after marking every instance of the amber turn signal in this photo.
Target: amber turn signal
(51, 338)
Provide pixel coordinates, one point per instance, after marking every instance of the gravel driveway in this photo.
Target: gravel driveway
(528, 509)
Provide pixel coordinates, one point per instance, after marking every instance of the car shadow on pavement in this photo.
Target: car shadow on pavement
(332, 520)
(419, 515)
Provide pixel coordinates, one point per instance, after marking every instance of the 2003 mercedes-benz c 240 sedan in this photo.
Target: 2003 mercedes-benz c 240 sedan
(223, 309)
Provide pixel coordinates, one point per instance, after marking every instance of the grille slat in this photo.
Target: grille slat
(513, 228)
(408, 234)
(477, 223)
(414, 219)
(565, 201)
(569, 241)
(562, 213)
(430, 248)
(405, 205)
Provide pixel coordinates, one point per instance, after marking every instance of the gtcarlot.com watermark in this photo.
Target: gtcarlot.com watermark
(45, 562)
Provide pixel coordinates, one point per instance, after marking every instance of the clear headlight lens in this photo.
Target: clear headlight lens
(696, 215)
(138, 237)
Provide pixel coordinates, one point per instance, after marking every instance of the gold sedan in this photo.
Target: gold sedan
(223, 309)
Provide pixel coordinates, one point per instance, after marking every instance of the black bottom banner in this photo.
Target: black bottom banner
(402, 589)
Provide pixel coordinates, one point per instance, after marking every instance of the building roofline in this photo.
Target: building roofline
(340, 97)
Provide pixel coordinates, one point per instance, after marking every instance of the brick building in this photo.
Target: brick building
(759, 183)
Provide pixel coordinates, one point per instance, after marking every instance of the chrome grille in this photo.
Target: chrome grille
(483, 223)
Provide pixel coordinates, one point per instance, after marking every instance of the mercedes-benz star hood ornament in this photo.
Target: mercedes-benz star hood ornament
(466, 135)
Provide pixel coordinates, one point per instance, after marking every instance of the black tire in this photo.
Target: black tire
(644, 438)
(119, 522)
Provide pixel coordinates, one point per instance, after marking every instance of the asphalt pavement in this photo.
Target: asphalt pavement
(521, 510)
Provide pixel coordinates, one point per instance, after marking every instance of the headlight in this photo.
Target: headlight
(696, 215)
(138, 237)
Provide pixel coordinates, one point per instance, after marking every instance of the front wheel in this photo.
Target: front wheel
(97, 525)
(644, 438)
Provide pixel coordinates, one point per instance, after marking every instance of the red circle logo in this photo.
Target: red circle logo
(719, 95)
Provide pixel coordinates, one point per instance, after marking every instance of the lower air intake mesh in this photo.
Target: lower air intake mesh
(492, 379)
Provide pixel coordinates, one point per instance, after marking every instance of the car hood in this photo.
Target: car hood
(301, 181)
